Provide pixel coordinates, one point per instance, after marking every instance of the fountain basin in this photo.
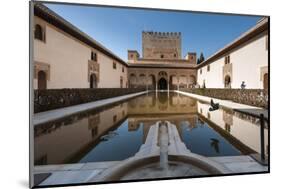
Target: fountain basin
(136, 168)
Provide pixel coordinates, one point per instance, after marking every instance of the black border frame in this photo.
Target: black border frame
(31, 49)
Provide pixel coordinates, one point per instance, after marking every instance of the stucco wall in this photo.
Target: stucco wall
(68, 61)
(247, 61)
(109, 77)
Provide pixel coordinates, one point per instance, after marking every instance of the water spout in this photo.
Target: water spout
(163, 143)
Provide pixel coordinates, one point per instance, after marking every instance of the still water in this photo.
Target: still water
(117, 132)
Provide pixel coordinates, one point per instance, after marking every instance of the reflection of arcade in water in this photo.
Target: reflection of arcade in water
(117, 133)
(162, 103)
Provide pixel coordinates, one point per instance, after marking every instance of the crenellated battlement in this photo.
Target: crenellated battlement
(161, 45)
(161, 34)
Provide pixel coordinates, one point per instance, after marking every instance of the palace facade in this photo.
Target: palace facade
(65, 57)
(161, 66)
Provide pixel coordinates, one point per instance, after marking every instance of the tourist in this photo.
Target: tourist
(243, 86)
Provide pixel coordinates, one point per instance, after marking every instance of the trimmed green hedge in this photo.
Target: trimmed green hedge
(253, 97)
(50, 99)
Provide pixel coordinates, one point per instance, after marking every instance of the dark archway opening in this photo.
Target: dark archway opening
(42, 80)
(93, 81)
(162, 84)
(227, 82)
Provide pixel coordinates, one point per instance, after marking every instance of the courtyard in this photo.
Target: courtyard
(98, 118)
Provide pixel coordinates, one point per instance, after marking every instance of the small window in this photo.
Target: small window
(114, 65)
(132, 55)
(162, 56)
(175, 55)
(208, 68)
(93, 56)
(38, 33)
(227, 59)
(200, 71)
(123, 69)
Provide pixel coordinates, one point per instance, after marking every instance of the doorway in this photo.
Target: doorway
(42, 80)
(162, 84)
(93, 81)
(265, 81)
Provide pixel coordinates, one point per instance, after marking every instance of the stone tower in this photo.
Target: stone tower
(161, 45)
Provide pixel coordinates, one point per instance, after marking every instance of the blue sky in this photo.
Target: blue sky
(119, 29)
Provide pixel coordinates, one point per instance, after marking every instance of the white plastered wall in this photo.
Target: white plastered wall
(247, 61)
(68, 60)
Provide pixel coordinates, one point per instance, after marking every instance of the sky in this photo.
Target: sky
(120, 29)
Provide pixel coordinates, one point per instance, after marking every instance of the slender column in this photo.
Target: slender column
(168, 84)
(178, 83)
(156, 84)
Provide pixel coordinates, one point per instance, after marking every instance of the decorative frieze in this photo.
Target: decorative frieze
(227, 71)
(93, 68)
(263, 70)
(40, 66)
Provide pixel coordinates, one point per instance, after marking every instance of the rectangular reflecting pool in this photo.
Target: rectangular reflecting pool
(116, 132)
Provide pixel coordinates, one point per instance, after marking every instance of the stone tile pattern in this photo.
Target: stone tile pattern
(72, 173)
(252, 97)
(240, 164)
(50, 99)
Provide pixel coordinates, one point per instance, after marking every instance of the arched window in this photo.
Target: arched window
(38, 34)
(42, 80)
(93, 56)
